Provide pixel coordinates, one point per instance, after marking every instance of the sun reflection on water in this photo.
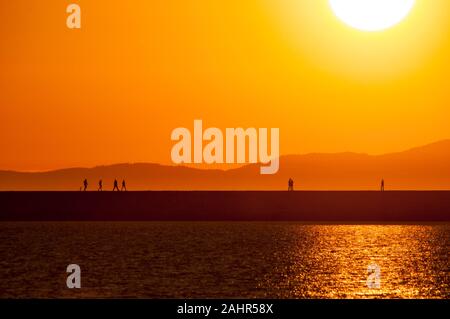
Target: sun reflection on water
(330, 261)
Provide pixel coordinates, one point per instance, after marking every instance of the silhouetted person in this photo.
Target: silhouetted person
(124, 186)
(382, 185)
(85, 184)
(290, 184)
(100, 185)
(116, 185)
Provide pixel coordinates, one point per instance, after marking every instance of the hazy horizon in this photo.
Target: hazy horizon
(225, 166)
(420, 168)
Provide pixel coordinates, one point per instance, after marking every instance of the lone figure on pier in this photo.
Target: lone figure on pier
(85, 184)
(100, 185)
(382, 185)
(290, 184)
(124, 186)
(116, 185)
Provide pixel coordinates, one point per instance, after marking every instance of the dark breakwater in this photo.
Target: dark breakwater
(357, 206)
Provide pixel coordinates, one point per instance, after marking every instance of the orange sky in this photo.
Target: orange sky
(114, 90)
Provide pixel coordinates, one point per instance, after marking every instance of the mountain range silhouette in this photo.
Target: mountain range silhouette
(421, 168)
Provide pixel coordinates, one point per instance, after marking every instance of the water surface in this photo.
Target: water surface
(223, 260)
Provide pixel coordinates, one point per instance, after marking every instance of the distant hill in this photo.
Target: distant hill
(426, 168)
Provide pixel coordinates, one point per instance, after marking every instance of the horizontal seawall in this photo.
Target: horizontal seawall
(423, 206)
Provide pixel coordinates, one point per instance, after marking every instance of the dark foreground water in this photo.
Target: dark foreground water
(227, 260)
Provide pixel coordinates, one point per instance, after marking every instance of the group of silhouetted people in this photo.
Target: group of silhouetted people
(124, 186)
(100, 185)
(116, 186)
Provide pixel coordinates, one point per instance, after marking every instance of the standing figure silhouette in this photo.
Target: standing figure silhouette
(116, 185)
(100, 185)
(85, 184)
(382, 185)
(124, 186)
(290, 184)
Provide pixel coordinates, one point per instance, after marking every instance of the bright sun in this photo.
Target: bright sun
(371, 15)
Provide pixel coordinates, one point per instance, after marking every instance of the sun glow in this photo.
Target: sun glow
(371, 15)
(342, 40)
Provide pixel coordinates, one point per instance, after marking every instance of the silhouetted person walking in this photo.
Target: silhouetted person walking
(124, 186)
(290, 184)
(85, 184)
(100, 185)
(116, 185)
(382, 185)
